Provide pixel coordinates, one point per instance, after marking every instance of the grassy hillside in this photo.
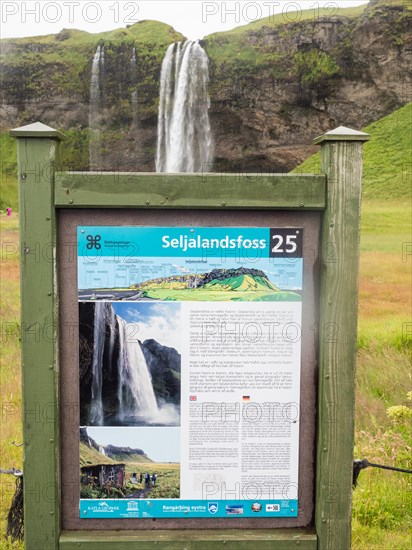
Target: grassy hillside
(249, 50)
(230, 46)
(127, 457)
(60, 64)
(386, 168)
(89, 455)
(70, 49)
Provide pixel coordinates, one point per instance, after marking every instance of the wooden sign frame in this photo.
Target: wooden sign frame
(44, 192)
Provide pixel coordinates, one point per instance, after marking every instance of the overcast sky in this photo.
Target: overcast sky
(193, 18)
(160, 444)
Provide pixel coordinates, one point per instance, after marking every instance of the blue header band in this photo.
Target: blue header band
(99, 241)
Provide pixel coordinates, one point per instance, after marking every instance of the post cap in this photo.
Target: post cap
(37, 129)
(341, 133)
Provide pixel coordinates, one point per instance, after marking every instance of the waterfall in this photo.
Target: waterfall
(113, 330)
(184, 142)
(116, 385)
(133, 81)
(135, 391)
(96, 405)
(101, 450)
(95, 106)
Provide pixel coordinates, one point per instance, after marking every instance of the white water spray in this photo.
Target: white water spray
(184, 142)
(133, 74)
(96, 405)
(135, 390)
(95, 107)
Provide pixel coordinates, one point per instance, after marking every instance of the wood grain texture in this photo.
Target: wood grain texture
(39, 324)
(342, 162)
(150, 190)
(257, 539)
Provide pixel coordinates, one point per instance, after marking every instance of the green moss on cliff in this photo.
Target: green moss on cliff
(45, 67)
(290, 16)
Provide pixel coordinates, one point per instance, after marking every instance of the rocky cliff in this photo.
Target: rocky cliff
(164, 365)
(101, 453)
(274, 85)
(287, 84)
(126, 454)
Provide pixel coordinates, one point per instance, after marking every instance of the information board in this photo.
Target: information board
(189, 374)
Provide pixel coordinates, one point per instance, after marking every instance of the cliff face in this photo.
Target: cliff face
(273, 87)
(304, 79)
(109, 451)
(109, 360)
(164, 365)
(125, 453)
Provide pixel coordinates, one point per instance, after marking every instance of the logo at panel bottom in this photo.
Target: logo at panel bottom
(212, 507)
(272, 508)
(234, 509)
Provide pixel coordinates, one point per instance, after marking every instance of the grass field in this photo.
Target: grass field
(382, 518)
(382, 502)
(168, 478)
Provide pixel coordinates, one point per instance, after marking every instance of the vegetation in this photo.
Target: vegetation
(383, 501)
(168, 478)
(89, 455)
(167, 483)
(265, 45)
(8, 187)
(386, 172)
(94, 490)
(292, 16)
(121, 456)
(315, 71)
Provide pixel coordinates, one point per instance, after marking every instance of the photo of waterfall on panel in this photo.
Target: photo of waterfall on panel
(184, 141)
(129, 364)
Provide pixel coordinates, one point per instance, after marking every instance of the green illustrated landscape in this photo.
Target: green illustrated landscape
(219, 285)
(242, 285)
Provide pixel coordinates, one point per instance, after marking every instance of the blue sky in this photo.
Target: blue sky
(158, 320)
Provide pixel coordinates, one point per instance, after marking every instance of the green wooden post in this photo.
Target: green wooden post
(38, 147)
(341, 160)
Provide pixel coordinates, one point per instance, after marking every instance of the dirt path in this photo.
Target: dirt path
(141, 493)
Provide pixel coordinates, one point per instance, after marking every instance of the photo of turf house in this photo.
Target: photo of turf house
(102, 474)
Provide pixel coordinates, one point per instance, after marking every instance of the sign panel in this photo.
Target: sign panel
(189, 371)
